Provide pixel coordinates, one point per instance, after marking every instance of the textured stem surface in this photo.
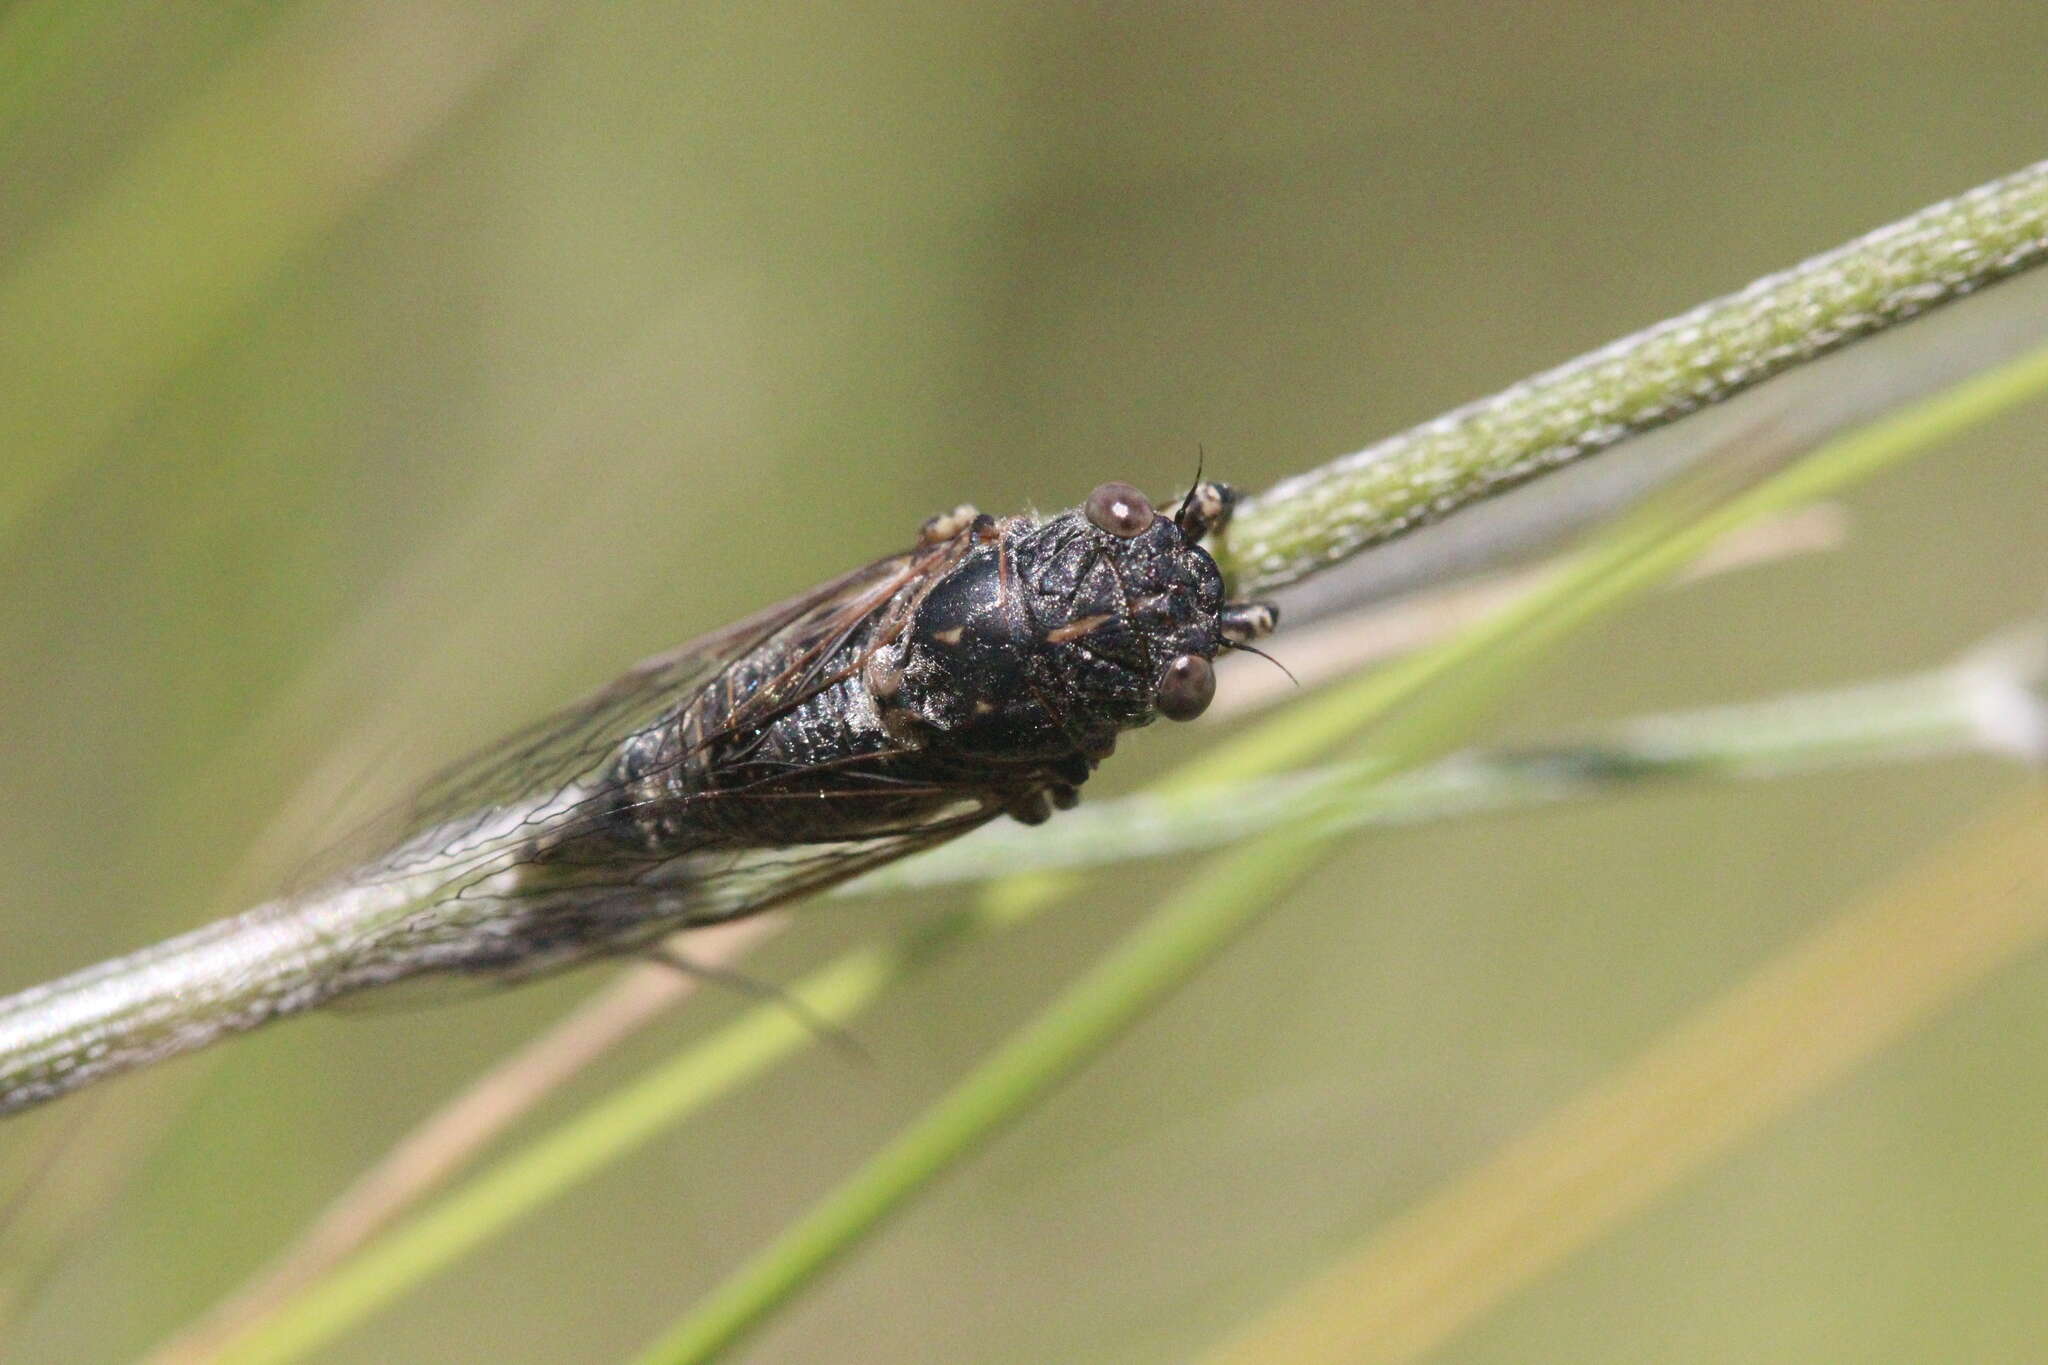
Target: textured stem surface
(1642, 382)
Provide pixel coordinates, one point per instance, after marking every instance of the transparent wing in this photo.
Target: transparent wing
(469, 815)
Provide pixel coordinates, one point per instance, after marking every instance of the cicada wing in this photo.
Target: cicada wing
(529, 856)
(749, 884)
(474, 812)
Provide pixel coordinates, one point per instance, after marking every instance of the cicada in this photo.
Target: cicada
(985, 671)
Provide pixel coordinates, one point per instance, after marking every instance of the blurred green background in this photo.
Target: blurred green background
(374, 376)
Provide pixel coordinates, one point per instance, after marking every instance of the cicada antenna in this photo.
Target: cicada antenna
(1254, 649)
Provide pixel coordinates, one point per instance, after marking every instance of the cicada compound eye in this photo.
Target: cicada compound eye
(1188, 687)
(1120, 510)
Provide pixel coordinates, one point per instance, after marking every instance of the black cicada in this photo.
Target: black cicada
(983, 672)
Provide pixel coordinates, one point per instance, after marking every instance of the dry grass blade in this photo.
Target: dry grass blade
(448, 1140)
(1799, 1024)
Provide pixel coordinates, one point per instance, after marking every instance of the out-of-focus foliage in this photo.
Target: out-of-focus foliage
(373, 376)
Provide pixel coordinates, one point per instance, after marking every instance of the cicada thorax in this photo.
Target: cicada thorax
(988, 671)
